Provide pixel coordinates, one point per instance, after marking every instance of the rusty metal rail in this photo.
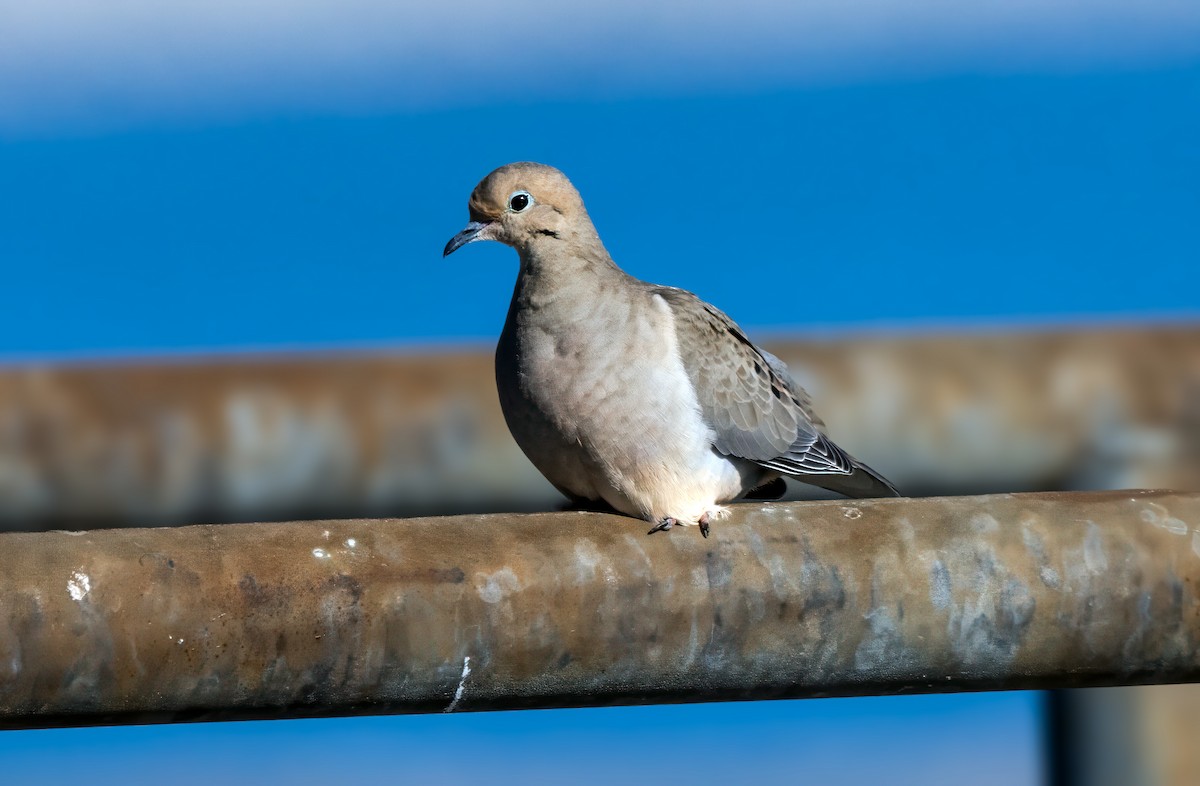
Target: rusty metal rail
(553, 610)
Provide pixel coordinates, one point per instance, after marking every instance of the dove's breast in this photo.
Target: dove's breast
(595, 393)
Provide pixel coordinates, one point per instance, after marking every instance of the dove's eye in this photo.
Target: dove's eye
(519, 201)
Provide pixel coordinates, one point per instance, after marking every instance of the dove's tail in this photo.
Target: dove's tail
(861, 482)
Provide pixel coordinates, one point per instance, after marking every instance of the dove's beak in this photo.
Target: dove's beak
(476, 230)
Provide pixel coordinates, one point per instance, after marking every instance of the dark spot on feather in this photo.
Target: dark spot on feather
(548, 232)
(778, 393)
(739, 335)
(757, 368)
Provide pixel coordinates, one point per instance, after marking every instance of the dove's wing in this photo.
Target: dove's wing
(753, 405)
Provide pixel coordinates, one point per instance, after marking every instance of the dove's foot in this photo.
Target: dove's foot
(708, 517)
(664, 525)
(670, 521)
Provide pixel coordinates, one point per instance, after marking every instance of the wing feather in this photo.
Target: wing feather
(748, 397)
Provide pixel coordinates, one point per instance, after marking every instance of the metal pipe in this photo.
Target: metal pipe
(579, 609)
(318, 436)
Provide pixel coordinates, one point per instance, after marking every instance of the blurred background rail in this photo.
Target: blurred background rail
(248, 438)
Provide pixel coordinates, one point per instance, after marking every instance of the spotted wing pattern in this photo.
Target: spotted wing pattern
(747, 396)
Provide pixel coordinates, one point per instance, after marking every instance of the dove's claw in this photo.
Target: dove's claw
(663, 525)
(703, 522)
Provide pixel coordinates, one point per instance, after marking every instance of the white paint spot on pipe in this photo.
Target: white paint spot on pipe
(495, 586)
(79, 585)
(939, 585)
(587, 559)
(1159, 516)
(1175, 526)
(852, 513)
(462, 684)
(1093, 550)
(320, 553)
(351, 543)
(984, 522)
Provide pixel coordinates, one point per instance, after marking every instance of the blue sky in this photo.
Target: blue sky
(231, 176)
(961, 198)
(984, 739)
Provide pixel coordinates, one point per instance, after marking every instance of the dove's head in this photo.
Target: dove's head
(523, 205)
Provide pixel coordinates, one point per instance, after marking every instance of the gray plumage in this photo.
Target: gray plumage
(642, 396)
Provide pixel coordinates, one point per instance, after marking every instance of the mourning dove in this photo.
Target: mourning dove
(641, 396)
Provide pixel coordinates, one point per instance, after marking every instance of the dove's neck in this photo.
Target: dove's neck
(565, 277)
